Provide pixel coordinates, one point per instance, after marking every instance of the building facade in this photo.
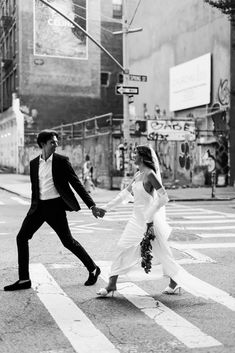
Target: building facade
(186, 54)
(55, 72)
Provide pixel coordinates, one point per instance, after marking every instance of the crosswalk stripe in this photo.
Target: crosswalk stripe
(19, 200)
(215, 216)
(202, 221)
(2, 203)
(216, 294)
(81, 333)
(202, 246)
(207, 228)
(190, 335)
(215, 235)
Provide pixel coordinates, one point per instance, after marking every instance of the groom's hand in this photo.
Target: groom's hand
(98, 212)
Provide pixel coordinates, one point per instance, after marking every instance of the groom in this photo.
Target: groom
(51, 175)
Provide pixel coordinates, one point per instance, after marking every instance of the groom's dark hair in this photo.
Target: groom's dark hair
(45, 135)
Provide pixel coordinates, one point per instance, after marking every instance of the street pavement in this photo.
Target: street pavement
(60, 315)
(20, 184)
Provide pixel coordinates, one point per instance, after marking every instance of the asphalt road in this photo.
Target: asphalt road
(60, 315)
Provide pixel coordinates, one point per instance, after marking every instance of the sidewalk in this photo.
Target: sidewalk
(20, 185)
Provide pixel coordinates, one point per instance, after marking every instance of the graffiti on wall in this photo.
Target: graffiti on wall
(171, 130)
(209, 160)
(184, 157)
(223, 92)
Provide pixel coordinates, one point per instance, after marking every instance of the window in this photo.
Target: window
(117, 8)
(120, 78)
(104, 78)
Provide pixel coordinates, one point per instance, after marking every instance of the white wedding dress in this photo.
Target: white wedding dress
(127, 262)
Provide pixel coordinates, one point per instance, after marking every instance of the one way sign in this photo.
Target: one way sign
(119, 89)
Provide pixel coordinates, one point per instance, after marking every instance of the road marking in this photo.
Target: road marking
(84, 228)
(2, 222)
(216, 216)
(179, 327)
(190, 210)
(2, 203)
(216, 294)
(205, 221)
(202, 246)
(215, 235)
(4, 233)
(81, 333)
(19, 200)
(207, 228)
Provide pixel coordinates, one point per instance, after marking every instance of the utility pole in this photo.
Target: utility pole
(126, 121)
(125, 31)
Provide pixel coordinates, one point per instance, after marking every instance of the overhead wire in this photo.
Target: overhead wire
(136, 9)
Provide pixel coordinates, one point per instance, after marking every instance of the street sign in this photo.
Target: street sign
(139, 78)
(119, 89)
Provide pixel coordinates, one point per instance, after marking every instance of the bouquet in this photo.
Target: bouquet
(146, 248)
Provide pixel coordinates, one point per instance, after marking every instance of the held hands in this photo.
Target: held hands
(98, 212)
(150, 229)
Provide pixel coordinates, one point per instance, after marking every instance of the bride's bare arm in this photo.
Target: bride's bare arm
(159, 201)
(123, 196)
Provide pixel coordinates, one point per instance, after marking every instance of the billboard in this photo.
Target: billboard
(54, 36)
(171, 130)
(190, 83)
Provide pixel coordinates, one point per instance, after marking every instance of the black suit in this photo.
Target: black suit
(53, 212)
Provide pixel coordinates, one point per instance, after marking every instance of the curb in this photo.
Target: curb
(204, 199)
(170, 200)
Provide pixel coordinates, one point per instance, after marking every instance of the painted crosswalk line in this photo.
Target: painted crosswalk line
(217, 295)
(207, 228)
(85, 228)
(203, 221)
(191, 336)
(75, 325)
(216, 235)
(212, 216)
(202, 246)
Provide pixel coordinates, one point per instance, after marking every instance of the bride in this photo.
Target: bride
(148, 217)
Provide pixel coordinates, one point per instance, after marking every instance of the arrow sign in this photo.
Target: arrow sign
(139, 78)
(119, 89)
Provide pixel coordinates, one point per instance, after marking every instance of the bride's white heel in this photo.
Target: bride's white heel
(103, 292)
(169, 290)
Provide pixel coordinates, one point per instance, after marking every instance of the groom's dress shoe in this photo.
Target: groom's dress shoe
(18, 286)
(93, 276)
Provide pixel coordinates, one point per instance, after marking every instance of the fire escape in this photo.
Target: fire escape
(7, 62)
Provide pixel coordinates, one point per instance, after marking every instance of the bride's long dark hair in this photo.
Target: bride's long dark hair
(145, 153)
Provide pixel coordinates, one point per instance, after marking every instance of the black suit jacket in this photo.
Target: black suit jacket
(63, 176)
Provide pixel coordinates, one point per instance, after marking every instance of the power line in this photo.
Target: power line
(135, 13)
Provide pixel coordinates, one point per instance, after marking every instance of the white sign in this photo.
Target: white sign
(170, 130)
(190, 83)
(139, 78)
(126, 90)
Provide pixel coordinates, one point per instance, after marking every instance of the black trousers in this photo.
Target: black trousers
(53, 212)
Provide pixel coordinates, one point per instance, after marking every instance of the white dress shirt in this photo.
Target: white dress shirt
(46, 185)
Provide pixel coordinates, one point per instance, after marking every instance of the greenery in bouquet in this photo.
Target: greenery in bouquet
(146, 248)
